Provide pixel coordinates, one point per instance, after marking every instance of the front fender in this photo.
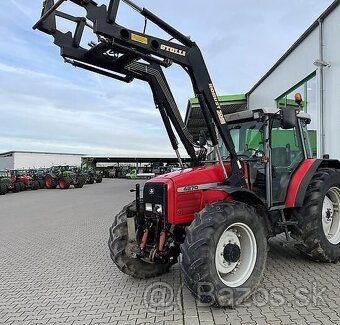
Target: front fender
(243, 195)
(250, 198)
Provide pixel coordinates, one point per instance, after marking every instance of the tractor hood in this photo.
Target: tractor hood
(195, 176)
(189, 190)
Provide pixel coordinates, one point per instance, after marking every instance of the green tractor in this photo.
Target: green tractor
(88, 167)
(93, 176)
(64, 177)
(38, 175)
(4, 183)
(80, 175)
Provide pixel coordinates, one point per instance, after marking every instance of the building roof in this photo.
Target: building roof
(194, 119)
(107, 159)
(329, 10)
(41, 152)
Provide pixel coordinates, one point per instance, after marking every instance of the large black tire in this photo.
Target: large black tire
(310, 217)
(3, 189)
(118, 241)
(79, 182)
(36, 185)
(16, 187)
(41, 184)
(22, 187)
(91, 180)
(202, 255)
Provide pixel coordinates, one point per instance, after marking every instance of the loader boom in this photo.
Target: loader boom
(126, 48)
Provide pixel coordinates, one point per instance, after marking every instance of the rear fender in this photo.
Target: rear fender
(299, 182)
(302, 178)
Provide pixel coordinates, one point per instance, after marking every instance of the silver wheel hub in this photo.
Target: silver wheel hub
(331, 215)
(236, 253)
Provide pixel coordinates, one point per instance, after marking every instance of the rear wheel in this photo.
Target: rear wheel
(22, 187)
(99, 179)
(224, 253)
(118, 242)
(319, 218)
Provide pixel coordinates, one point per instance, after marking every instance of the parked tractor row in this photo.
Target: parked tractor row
(132, 172)
(50, 178)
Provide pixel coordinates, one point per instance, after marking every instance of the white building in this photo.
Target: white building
(26, 159)
(311, 66)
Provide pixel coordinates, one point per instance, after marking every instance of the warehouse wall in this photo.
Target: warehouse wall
(297, 66)
(36, 160)
(331, 32)
(6, 162)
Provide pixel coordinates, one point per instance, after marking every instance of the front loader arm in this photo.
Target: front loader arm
(127, 43)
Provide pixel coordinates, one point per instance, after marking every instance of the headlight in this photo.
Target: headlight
(158, 208)
(148, 207)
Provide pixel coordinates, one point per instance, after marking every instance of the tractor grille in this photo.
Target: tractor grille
(155, 194)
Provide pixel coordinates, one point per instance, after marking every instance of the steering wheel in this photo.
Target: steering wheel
(252, 152)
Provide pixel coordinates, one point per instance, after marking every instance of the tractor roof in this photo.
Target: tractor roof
(255, 113)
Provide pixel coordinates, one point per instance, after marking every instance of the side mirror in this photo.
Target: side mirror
(289, 119)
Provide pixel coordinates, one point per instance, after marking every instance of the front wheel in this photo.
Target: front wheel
(16, 187)
(118, 242)
(3, 189)
(35, 185)
(80, 181)
(64, 183)
(50, 182)
(224, 253)
(91, 180)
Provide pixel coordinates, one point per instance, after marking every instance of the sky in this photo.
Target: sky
(47, 105)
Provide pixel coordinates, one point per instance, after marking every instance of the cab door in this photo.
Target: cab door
(287, 153)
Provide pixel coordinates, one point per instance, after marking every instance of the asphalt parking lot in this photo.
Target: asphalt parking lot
(55, 268)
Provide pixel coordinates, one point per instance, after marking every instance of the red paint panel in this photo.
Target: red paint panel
(296, 181)
(182, 205)
(188, 203)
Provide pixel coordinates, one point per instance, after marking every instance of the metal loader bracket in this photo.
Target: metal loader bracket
(125, 54)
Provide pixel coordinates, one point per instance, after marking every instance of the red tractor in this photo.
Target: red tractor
(219, 215)
(25, 180)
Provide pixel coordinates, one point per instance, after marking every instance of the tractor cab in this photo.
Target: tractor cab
(271, 147)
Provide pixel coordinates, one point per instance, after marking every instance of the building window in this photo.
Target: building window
(307, 88)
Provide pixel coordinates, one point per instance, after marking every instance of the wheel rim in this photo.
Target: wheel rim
(331, 215)
(48, 182)
(62, 183)
(236, 253)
